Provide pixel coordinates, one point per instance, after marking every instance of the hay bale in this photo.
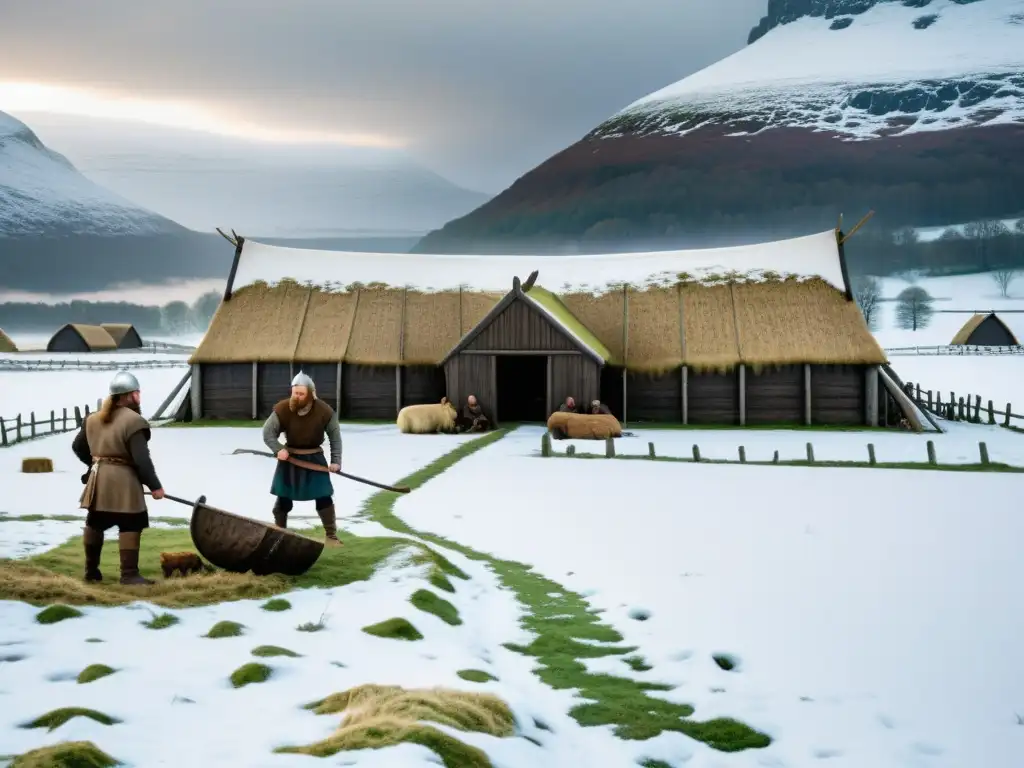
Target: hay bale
(585, 426)
(37, 465)
(428, 418)
(182, 562)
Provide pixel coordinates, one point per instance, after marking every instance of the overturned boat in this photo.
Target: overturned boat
(241, 544)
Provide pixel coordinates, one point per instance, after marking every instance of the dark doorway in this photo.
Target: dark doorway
(522, 387)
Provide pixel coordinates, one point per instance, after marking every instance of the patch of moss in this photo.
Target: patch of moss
(654, 764)
(312, 626)
(396, 629)
(273, 650)
(428, 602)
(276, 605)
(638, 663)
(66, 754)
(439, 580)
(475, 675)
(250, 673)
(566, 630)
(161, 621)
(225, 629)
(725, 661)
(56, 718)
(54, 613)
(93, 640)
(94, 672)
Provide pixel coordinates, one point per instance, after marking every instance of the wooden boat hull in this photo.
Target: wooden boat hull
(241, 544)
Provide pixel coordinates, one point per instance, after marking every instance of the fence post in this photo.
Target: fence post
(775, 458)
(570, 451)
(977, 409)
(3, 433)
(991, 413)
(609, 447)
(545, 444)
(1006, 421)
(931, 453)
(983, 449)
(871, 454)
(78, 417)
(929, 399)
(696, 452)
(650, 450)
(53, 422)
(743, 455)
(32, 423)
(810, 453)
(917, 393)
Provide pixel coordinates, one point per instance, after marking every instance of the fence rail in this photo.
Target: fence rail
(964, 408)
(956, 349)
(56, 364)
(19, 429)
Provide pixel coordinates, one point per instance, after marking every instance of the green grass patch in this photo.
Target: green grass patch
(94, 672)
(654, 764)
(225, 629)
(56, 718)
(725, 661)
(276, 605)
(476, 675)
(428, 602)
(312, 626)
(637, 663)
(250, 673)
(561, 620)
(161, 621)
(54, 613)
(269, 651)
(94, 640)
(56, 575)
(4, 518)
(395, 629)
(66, 754)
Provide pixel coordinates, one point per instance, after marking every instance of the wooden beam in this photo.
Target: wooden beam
(686, 395)
(807, 394)
(196, 392)
(255, 379)
(494, 386)
(533, 352)
(337, 392)
(549, 400)
(625, 354)
(743, 395)
(871, 396)
(401, 355)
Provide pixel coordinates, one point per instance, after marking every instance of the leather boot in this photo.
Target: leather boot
(330, 530)
(93, 542)
(129, 544)
(280, 516)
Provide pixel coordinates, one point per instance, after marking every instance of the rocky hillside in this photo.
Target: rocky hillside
(913, 108)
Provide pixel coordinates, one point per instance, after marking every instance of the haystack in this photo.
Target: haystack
(77, 337)
(6, 344)
(986, 330)
(124, 334)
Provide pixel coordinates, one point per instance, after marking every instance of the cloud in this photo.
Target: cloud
(477, 89)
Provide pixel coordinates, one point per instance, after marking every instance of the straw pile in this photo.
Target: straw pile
(431, 326)
(709, 327)
(585, 426)
(327, 327)
(782, 323)
(655, 340)
(6, 345)
(377, 328)
(36, 465)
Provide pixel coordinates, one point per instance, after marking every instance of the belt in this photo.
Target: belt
(109, 460)
(303, 451)
(89, 492)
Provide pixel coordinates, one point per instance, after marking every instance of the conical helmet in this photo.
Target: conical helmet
(303, 380)
(123, 383)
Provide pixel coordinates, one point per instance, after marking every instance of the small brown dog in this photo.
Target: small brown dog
(182, 562)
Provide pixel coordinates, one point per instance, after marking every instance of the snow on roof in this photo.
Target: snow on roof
(802, 257)
(880, 46)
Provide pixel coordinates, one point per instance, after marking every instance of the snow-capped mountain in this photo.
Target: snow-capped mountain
(43, 194)
(912, 108)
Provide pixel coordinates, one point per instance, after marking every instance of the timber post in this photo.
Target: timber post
(255, 390)
(743, 394)
(871, 396)
(807, 394)
(196, 392)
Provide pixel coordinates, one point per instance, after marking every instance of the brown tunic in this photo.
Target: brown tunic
(114, 484)
(304, 432)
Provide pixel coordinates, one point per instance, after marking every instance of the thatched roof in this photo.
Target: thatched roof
(94, 336)
(964, 334)
(6, 344)
(118, 331)
(761, 317)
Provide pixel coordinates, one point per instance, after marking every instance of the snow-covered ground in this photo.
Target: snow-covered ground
(26, 392)
(871, 626)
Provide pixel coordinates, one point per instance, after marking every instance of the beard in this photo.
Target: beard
(132, 405)
(298, 403)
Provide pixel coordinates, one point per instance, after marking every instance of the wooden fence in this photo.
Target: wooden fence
(963, 408)
(56, 364)
(19, 429)
(956, 349)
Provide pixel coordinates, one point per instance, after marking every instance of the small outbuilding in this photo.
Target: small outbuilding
(6, 344)
(124, 334)
(986, 330)
(75, 337)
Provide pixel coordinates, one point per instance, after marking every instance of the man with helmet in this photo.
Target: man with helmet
(114, 444)
(304, 419)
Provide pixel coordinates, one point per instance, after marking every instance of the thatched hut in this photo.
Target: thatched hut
(6, 344)
(75, 337)
(745, 335)
(986, 329)
(124, 334)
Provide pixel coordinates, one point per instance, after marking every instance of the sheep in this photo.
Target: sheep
(584, 426)
(428, 418)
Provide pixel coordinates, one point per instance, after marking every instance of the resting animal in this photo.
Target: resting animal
(584, 426)
(182, 562)
(429, 418)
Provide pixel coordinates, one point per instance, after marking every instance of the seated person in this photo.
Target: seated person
(569, 406)
(473, 418)
(597, 407)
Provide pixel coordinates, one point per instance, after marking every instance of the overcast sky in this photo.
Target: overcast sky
(478, 90)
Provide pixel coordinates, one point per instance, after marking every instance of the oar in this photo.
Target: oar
(319, 468)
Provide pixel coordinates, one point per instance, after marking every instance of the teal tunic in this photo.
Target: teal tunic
(298, 484)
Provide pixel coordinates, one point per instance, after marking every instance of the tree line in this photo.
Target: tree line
(174, 317)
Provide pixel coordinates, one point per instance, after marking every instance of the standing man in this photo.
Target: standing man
(114, 444)
(304, 419)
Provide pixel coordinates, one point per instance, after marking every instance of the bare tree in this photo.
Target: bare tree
(982, 233)
(914, 308)
(1003, 278)
(1019, 226)
(867, 292)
